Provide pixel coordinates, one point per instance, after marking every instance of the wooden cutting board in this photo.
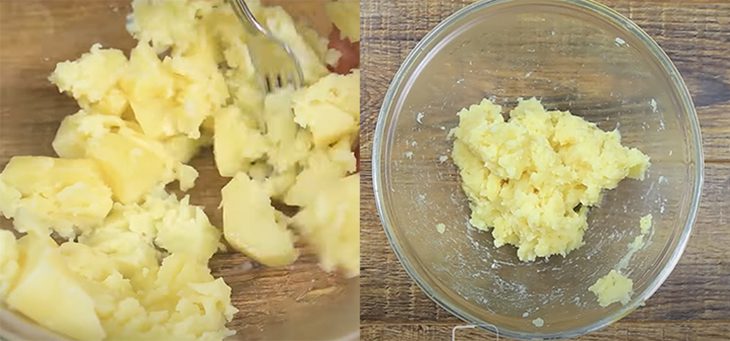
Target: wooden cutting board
(693, 304)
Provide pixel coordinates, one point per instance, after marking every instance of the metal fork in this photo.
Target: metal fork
(273, 59)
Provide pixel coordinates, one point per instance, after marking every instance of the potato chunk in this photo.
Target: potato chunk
(252, 226)
(63, 194)
(93, 80)
(132, 163)
(330, 108)
(237, 143)
(131, 169)
(331, 224)
(63, 307)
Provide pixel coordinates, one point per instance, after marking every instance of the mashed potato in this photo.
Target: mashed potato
(115, 282)
(612, 288)
(615, 287)
(75, 198)
(132, 163)
(531, 179)
(134, 262)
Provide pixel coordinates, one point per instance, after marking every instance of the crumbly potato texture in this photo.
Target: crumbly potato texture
(128, 259)
(532, 178)
(612, 288)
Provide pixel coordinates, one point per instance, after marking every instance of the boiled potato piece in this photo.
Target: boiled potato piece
(93, 80)
(237, 143)
(330, 222)
(115, 103)
(164, 298)
(184, 228)
(9, 262)
(196, 306)
(166, 23)
(245, 90)
(123, 152)
(9, 200)
(322, 167)
(151, 89)
(92, 300)
(182, 148)
(63, 307)
(43, 192)
(129, 249)
(278, 184)
(330, 108)
(131, 169)
(250, 223)
(47, 175)
(76, 130)
(175, 95)
(289, 144)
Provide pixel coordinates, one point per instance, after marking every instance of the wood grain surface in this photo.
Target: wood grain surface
(693, 304)
(297, 301)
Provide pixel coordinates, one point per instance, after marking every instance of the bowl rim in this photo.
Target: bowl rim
(686, 101)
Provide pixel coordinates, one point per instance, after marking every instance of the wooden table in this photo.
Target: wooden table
(693, 304)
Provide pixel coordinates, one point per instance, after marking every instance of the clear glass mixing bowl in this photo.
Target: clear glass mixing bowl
(574, 55)
(297, 302)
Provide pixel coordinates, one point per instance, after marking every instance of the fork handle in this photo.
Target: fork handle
(244, 13)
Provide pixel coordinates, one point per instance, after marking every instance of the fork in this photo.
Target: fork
(273, 59)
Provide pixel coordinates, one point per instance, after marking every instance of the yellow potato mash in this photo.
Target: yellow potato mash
(645, 224)
(531, 179)
(328, 108)
(612, 288)
(615, 287)
(133, 163)
(98, 233)
(330, 222)
(140, 274)
(74, 198)
(253, 226)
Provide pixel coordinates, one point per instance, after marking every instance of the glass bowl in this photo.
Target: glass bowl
(297, 302)
(573, 55)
